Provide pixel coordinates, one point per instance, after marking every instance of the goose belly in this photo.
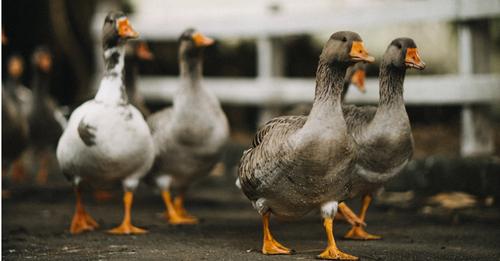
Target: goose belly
(186, 164)
(122, 144)
(291, 189)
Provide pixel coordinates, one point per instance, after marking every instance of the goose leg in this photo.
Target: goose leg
(179, 206)
(81, 221)
(331, 251)
(271, 246)
(172, 214)
(357, 232)
(126, 227)
(329, 210)
(43, 174)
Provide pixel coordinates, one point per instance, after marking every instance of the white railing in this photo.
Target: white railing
(265, 20)
(419, 90)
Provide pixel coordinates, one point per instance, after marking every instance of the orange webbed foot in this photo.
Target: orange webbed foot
(82, 222)
(333, 253)
(273, 247)
(127, 229)
(176, 219)
(359, 233)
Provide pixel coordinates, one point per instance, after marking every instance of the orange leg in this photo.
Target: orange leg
(331, 251)
(18, 174)
(126, 227)
(349, 215)
(357, 232)
(82, 221)
(179, 206)
(173, 215)
(43, 174)
(269, 245)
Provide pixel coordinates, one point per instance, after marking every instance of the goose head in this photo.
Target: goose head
(346, 48)
(402, 53)
(192, 43)
(139, 51)
(15, 66)
(42, 59)
(356, 75)
(143, 52)
(117, 30)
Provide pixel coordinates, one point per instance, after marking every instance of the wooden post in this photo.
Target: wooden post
(477, 133)
(270, 56)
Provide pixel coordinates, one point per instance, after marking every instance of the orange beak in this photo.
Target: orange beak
(143, 52)
(125, 30)
(358, 53)
(45, 62)
(201, 40)
(15, 67)
(412, 59)
(358, 79)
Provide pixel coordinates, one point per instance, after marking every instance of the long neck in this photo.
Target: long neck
(41, 81)
(112, 89)
(191, 69)
(329, 85)
(391, 86)
(12, 82)
(344, 90)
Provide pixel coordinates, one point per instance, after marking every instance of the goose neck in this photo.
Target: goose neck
(41, 81)
(191, 70)
(391, 86)
(112, 89)
(329, 84)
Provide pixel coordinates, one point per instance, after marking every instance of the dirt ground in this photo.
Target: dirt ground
(35, 222)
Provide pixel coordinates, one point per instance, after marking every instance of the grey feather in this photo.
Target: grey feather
(86, 133)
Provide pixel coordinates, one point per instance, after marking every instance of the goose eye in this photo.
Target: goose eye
(344, 39)
(398, 46)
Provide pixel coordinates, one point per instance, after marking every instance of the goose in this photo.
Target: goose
(355, 75)
(46, 121)
(190, 136)
(300, 163)
(14, 119)
(382, 134)
(107, 139)
(136, 52)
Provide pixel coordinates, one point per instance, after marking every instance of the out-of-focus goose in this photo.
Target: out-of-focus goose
(136, 51)
(14, 119)
(46, 121)
(382, 134)
(107, 139)
(301, 163)
(189, 137)
(355, 75)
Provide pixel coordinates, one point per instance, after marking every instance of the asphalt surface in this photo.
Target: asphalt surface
(35, 223)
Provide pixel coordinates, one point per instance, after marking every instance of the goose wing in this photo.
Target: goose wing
(358, 116)
(266, 155)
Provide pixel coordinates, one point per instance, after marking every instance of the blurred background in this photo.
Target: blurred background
(263, 65)
(266, 56)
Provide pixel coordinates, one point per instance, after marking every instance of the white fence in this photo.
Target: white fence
(265, 20)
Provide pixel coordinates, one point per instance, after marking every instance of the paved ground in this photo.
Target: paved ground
(35, 225)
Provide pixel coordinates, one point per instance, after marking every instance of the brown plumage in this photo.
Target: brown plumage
(382, 134)
(300, 163)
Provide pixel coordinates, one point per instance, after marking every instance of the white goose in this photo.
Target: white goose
(107, 138)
